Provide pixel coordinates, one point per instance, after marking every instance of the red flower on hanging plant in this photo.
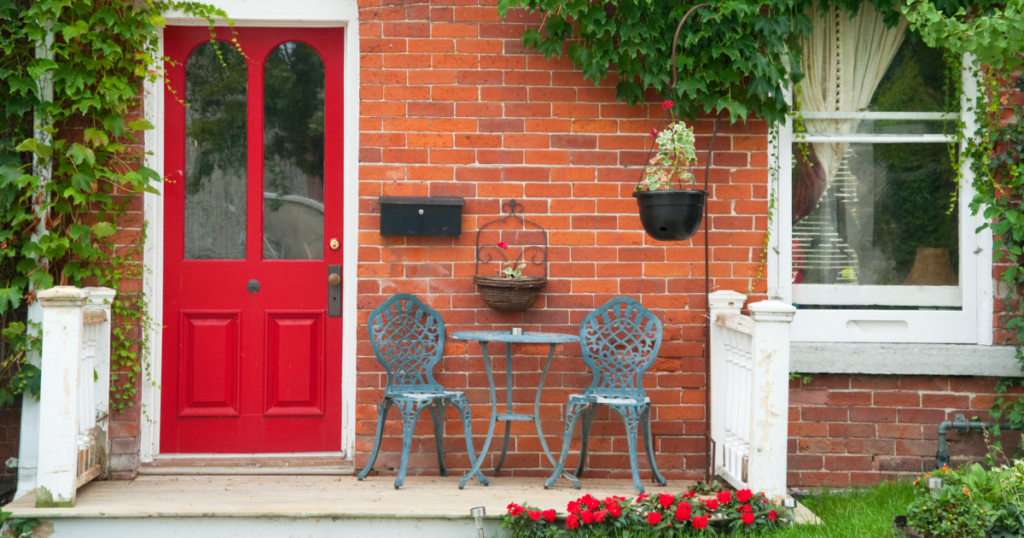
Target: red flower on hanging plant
(654, 518)
(654, 133)
(667, 104)
(747, 518)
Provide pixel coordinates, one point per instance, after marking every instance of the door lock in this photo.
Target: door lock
(334, 291)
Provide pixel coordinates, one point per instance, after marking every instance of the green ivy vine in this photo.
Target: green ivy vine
(993, 34)
(71, 76)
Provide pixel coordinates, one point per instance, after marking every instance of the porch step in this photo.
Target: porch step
(248, 465)
(307, 506)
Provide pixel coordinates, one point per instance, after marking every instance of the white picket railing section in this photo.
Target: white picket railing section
(750, 392)
(74, 396)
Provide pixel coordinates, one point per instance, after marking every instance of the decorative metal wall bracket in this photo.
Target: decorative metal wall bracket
(512, 294)
(540, 252)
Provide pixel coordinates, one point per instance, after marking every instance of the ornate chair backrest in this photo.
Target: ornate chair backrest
(620, 341)
(408, 338)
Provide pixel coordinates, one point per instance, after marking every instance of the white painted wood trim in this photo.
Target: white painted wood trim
(879, 115)
(983, 239)
(268, 13)
(839, 294)
(855, 138)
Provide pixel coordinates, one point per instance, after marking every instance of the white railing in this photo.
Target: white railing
(75, 391)
(750, 391)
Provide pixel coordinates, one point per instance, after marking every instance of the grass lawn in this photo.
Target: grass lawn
(860, 513)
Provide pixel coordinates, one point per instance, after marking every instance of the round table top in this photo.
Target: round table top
(525, 338)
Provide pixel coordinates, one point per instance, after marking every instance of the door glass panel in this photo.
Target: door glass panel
(215, 153)
(293, 154)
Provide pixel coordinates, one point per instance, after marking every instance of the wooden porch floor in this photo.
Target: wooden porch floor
(321, 496)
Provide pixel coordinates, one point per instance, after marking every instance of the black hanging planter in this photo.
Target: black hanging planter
(671, 215)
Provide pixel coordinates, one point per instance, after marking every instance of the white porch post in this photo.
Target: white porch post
(719, 302)
(770, 412)
(58, 430)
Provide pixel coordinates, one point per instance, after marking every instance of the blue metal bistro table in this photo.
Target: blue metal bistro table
(509, 417)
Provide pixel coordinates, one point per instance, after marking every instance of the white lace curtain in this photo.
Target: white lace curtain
(844, 60)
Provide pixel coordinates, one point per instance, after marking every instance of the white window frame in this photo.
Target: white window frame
(970, 325)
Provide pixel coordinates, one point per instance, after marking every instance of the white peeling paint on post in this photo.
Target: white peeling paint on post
(102, 299)
(58, 429)
(770, 413)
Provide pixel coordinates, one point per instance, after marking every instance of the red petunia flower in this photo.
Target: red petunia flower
(745, 508)
(666, 500)
(684, 511)
(588, 517)
(515, 510)
(599, 515)
(613, 507)
(724, 496)
(667, 104)
(772, 514)
(689, 494)
(572, 522)
(700, 522)
(549, 515)
(748, 518)
(591, 502)
(641, 497)
(534, 515)
(711, 504)
(654, 518)
(502, 244)
(573, 508)
(744, 495)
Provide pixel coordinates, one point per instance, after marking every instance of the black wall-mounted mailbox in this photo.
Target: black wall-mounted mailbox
(418, 215)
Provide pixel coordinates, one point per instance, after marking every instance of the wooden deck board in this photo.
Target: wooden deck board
(317, 496)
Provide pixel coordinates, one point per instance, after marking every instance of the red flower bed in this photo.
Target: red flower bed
(665, 514)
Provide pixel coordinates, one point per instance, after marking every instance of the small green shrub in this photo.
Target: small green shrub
(972, 503)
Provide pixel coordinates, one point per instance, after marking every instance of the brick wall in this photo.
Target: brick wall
(852, 430)
(453, 106)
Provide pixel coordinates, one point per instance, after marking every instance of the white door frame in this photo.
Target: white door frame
(274, 13)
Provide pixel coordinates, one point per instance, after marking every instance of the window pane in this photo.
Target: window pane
(293, 154)
(883, 219)
(915, 80)
(215, 151)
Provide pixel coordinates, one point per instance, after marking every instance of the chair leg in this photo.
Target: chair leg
(463, 406)
(411, 410)
(645, 423)
(631, 417)
(437, 416)
(382, 415)
(572, 412)
(588, 418)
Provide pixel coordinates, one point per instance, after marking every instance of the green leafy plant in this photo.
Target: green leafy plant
(675, 155)
(972, 502)
(71, 73)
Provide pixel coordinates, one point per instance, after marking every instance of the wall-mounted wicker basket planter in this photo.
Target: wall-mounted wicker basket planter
(512, 294)
(509, 294)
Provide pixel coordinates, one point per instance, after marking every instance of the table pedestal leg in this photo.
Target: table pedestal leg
(494, 416)
(508, 404)
(536, 419)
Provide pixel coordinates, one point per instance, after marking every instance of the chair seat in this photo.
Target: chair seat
(426, 395)
(608, 400)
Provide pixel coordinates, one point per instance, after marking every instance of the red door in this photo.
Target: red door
(253, 231)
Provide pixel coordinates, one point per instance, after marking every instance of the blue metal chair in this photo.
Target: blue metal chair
(620, 341)
(408, 339)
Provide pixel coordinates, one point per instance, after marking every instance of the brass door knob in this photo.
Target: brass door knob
(334, 279)
(335, 244)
